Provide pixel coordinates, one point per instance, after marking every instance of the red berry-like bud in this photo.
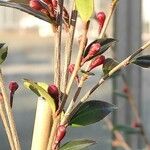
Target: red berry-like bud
(47, 1)
(54, 3)
(97, 62)
(70, 70)
(53, 91)
(101, 19)
(13, 86)
(125, 90)
(135, 124)
(35, 4)
(94, 49)
(61, 132)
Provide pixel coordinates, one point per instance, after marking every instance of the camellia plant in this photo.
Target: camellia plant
(53, 115)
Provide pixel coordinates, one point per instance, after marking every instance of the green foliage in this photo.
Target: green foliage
(142, 61)
(40, 91)
(109, 64)
(27, 9)
(3, 52)
(91, 112)
(105, 44)
(126, 129)
(77, 144)
(85, 9)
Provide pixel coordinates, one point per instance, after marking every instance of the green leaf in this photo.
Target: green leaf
(91, 112)
(109, 64)
(3, 52)
(77, 144)
(27, 9)
(126, 129)
(43, 85)
(105, 44)
(142, 61)
(38, 90)
(85, 9)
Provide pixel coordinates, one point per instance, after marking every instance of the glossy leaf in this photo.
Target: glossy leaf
(105, 44)
(77, 144)
(3, 52)
(27, 9)
(126, 129)
(91, 112)
(109, 64)
(85, 9)
(43, 85)
(142, 61)
(38, 90)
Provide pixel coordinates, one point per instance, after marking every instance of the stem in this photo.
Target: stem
(123, 64)
(57, 69)
(72, 103)
(5, 123)
(57, 49)
(9, 114)
(77, 64)
(11, 98)
(53, 132)
(68, 49)
(112, 9)
(118, 135)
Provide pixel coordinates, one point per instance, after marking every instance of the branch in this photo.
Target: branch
(72, 103)
(123, 64)
(5, 123)
(77, 64)
(9, 114)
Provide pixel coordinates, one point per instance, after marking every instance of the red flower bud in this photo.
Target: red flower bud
(35, 4)
(125, 90)
(70, 70)
(54, 3)
(135, 124)
(97, 62)
(48, 1)
(101, 19)
(13, 86)
(61, 132)
(53, 91)
(94, 49)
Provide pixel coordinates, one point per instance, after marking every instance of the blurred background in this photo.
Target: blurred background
(30, 43)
